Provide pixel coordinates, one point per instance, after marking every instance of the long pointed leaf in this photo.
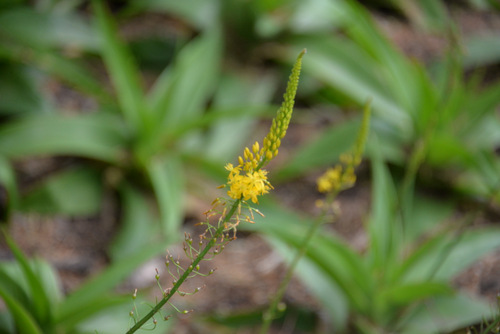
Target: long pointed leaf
(167, 178)
(8, 183)
(123, 72)
(445, 256)
(383, 228)
(137, 224)
(40, 302)
(180, 93)
(24, 321)
(71, 309)
(445, 314)
(94, 136)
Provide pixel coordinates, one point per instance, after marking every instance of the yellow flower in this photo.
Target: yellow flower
(247, 186)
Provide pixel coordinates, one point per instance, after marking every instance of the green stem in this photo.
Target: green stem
(270, 313)
(188, 271)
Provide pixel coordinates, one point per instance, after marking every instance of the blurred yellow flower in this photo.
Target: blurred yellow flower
(330, 180)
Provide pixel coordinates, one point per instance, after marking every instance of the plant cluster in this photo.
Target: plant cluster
(175, 107)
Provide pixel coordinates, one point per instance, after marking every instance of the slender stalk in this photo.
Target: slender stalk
(270, 313)
(188, 271)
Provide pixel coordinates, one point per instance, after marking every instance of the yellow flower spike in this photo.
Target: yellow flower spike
(343, 175)
(281, 121)
(248, 180)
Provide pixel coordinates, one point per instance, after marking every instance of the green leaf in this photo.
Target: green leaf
(482, 50)
(443, 257)
(315, 16)
(330, 295)
(24, 321)
(180, 94)
(122, 69)
(71, 71)
(9, 185)
(348, 68)
(448, 149)
(407, 294)
(445, 314)
(427, 214)
(14, 280)
(49, 279)
(305, 319)
(95, 310)
(136, 227)
(223, 115)
(401, 80)
(7, 324)
(18, 90)
(96, 136)
(43, 30)
(345, 268)
(14, 285)
(76, 306)
(39, 300)
(167, 178)
(333, 258)
(472, 246)
(385, 232)
(73, 192)
(113, 317)
(74, 72)
(199, 13)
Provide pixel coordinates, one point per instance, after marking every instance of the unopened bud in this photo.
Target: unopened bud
(255, 147)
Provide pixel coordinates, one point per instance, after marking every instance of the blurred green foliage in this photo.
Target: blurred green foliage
(33, 296)
(150, 140)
